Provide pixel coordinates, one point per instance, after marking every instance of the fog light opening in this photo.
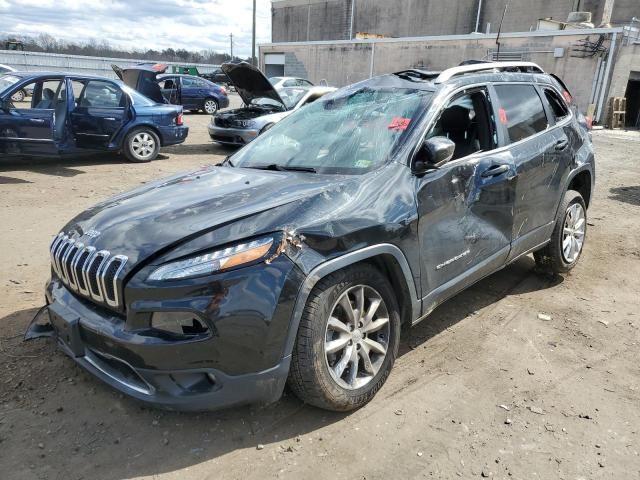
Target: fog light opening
(184, 324)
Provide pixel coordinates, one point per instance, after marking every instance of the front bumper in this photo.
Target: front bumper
(232, 136)
(174, 135)
(198, 374)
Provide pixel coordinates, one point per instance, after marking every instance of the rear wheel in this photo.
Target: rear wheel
(141, 145)
(210, 106)
(562, 253)
(347, 341)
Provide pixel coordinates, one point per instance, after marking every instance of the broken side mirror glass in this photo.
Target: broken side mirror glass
(435, 152)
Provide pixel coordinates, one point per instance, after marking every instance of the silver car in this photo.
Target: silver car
(264, 105)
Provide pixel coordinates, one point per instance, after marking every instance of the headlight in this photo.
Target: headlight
(214, 261)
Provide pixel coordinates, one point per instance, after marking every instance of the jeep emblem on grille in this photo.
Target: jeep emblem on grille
(92, 233)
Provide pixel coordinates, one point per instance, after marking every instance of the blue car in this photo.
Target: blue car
(193, 93)
(71, 114)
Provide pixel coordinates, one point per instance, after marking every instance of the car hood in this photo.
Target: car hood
(250, 83)
(142, 77)
(159, 216)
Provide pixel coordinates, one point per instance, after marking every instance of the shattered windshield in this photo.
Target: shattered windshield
(352, 131)
(7, 80)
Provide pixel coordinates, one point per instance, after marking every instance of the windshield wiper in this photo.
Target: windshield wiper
(283, 168)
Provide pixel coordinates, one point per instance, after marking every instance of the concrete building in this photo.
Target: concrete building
(311, 20)
(596, 63)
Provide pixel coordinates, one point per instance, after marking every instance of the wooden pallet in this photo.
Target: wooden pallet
(617, 112)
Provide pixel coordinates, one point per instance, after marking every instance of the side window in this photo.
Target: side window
(41, 95)
(290, 83)
(558, 107)
(168, 84)
(468, 122)
(97, 94)
(521, 111)
(188, 82)
(306, 83)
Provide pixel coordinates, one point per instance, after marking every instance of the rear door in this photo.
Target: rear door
(539, 153)
(28, 126)
(100, 110)
(193, 92)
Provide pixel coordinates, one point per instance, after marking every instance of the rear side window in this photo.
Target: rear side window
(521, 111)
(558, 107)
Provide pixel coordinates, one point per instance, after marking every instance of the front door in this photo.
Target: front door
(465, 207)
(100, 109)
(28, 126)
(170, 88)
(540, 155)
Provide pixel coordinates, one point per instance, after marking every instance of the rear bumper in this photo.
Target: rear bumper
(232, 136)
(174, 135)
(223, 102)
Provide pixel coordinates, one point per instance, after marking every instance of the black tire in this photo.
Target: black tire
(552, 258)
(309, 375)
(148, 145)
(210, 106)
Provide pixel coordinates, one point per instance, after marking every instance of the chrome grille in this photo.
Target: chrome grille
(93, 274)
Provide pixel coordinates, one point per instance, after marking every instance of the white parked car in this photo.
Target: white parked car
(20, 94)
(288, 82)
(264, 104)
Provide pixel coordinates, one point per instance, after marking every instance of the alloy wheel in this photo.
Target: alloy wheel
(210, 106)
(357, 337)
(573, 232)
(143, 145)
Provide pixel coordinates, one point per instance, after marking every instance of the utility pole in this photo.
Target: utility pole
(231, 42)
(253, 39)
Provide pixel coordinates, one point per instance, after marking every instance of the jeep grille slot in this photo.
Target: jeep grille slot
(93, 274)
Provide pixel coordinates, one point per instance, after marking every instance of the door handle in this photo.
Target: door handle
(110, 119)
(495, 171)
(562, 144)
(36, 120)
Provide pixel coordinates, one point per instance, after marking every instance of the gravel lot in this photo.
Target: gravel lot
(486, 387)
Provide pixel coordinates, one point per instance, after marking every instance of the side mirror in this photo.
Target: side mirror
(435, 152)
(5, 105)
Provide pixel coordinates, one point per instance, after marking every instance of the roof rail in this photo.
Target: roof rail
(525, 67)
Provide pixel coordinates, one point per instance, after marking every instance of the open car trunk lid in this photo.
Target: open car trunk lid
(142, 77)
(250, 83)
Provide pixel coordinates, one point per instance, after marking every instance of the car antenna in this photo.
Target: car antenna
(504, 12)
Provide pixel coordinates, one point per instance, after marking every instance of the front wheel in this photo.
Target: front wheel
(347, 341)
(562, 253)
(210, 106)
(141, 145)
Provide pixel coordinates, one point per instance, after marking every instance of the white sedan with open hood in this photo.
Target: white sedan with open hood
(264, 105)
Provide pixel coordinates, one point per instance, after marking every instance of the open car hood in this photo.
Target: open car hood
(250, 82)
(142, 77)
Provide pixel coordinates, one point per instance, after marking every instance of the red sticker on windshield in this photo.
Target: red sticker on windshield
(399, 123)
(503, 116)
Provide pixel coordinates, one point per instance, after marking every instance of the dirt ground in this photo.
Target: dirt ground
(484, 387)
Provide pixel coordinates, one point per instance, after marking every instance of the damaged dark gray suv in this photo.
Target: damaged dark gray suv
(298, 260)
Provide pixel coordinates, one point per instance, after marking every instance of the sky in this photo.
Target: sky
(142, 25)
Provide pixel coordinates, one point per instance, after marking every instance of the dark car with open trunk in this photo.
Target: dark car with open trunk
(300, 257)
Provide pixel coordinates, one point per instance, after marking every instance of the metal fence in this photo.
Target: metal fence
(55, 62)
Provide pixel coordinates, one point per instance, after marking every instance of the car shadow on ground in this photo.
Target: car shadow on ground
(202, 149)
(629, 195)
(57, 166)
(101, 434)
